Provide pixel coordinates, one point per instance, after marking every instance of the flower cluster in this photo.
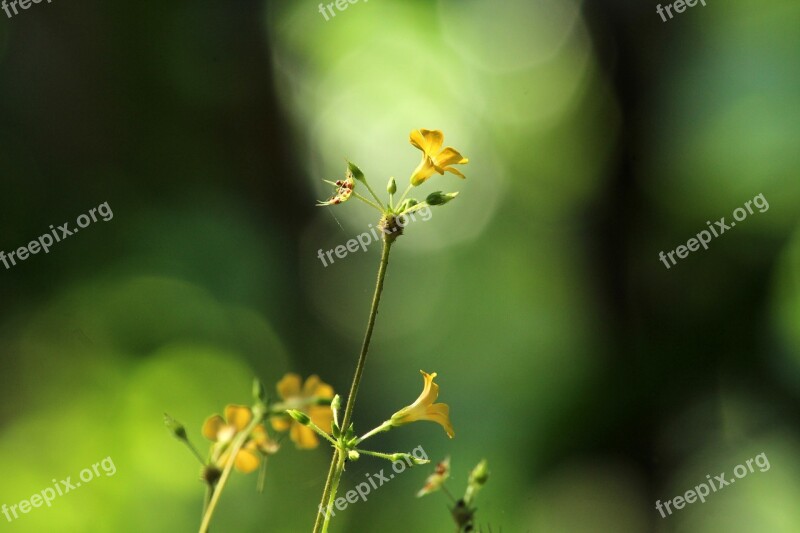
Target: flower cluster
(434, 160)
(240, 440)
(422, 409)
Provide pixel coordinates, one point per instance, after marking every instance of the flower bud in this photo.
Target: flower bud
(175, 427)
(259, 392)
(300, 416)
(353, 455)
(479, 474)
(407, 204)
(391, 187)
(354, 172)
(440, 198)
(408, 458)
(477, 479)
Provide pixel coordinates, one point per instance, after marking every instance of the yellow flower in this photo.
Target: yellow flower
(430, 141)
(222, 432)
(290, 390)
(425, 409)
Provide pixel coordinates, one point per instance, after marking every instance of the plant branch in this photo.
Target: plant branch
(337, 463)
(234, 451)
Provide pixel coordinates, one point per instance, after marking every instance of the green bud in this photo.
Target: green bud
(479, 474)
(407, 204)
(175, 427)
(300, 416)
(259, 392)
(408, 457)
(440, 198)
(353, 455)
(477, 479)
(336, 403)
(391, 187)
(355, 172)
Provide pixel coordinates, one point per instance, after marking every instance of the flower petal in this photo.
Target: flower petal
(430, 390)
(260, 441)
(454, 171)
(429, 141)
(211, 427)
(289, 386)
(281, 423)
(450, 156)
(311, 385)
(246, 461)
(322, 416)
(238, 416)
(320, 389)
(440, 413)
(303, 437)
(424, 170)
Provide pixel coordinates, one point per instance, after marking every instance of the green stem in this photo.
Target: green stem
(404, 194)
(367, 201)
(379, 455)
(378, 200)
(386, 426)
(327, 491)
(337, 463)
(234, 451)
(337, 477)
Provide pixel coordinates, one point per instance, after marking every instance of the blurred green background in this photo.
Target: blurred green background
(594, 380)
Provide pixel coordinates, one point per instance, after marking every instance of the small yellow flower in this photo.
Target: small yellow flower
(430, 141)
(425, 409)
(289, 388)
(222, 432)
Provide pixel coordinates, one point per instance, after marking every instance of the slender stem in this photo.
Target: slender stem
(209, 491)
(337, 477)
(318, 430)
(383, 207)
(367, 201)
(386, 426)
(337, 463)
(373, 314)
(416, 207)
(195, 452)
(444, 489)
(234, 451)
(404, 195)
(380, 455)
(327, 491)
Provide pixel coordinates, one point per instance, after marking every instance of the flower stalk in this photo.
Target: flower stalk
(339, 457)
(435, 160)
(219, 486)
